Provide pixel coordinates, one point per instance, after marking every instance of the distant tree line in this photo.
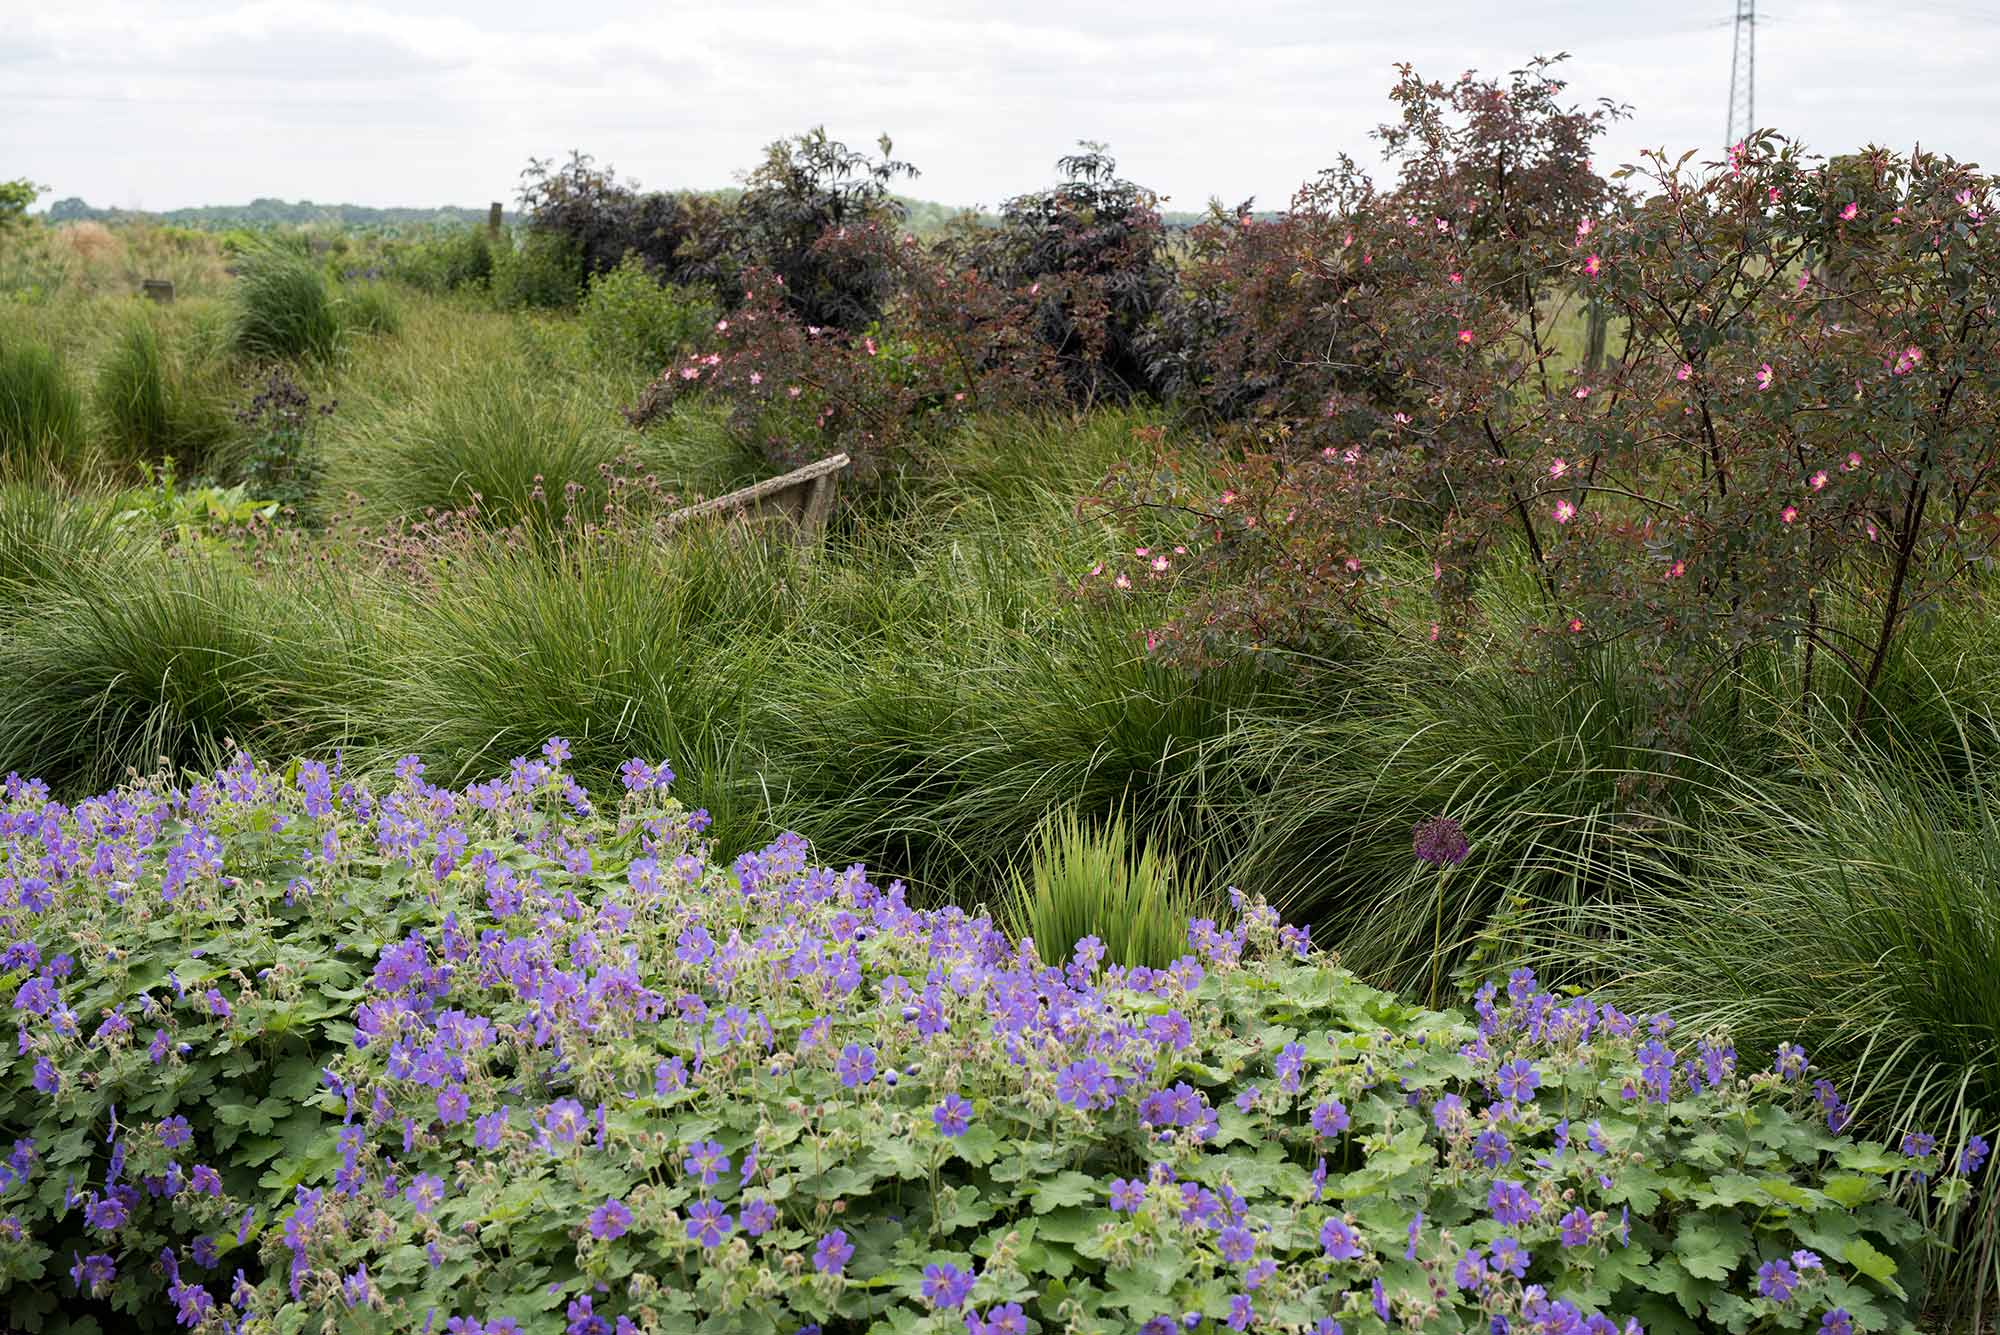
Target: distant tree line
(272, 213)
(922, 216)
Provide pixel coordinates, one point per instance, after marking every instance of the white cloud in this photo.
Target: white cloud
(170, 102)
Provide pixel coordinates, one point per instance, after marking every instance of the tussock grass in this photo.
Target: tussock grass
(517, 449)
(370, 308)
(154, 405)
(283, 307)
(41, 412)
(50, 540)
(1083, 881)
(1558, 790)
(117, 668)
(622, 645)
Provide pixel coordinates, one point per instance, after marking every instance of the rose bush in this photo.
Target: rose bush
(1789, 452)
(294, 1053)
(951, 343)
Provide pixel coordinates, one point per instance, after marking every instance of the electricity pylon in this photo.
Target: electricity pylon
(1743, 73)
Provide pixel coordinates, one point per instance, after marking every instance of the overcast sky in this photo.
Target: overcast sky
(164, 103)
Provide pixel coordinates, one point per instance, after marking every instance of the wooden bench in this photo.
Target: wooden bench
(803, 496)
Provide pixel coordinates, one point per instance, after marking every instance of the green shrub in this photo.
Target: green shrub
(41, 413)
(189, 517)
(446, 262)
(370, 308)
(403, 1056)
(1100, 883)
(152, 405)
(636, 323)
(540, 272)
(283, 307)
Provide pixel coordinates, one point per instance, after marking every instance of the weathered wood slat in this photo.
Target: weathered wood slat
(804, 496)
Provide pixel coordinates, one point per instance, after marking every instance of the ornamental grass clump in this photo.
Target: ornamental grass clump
(297, 1052)
(41, 413)
(156, 403)
(283, 309)
(1124, 895)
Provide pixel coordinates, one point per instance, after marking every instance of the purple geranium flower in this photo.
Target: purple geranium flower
(425, 1192)
(706, 1160)
(758, 1216)
(1329, 1118)
(610, 1220)
(1508, 1257)
(1338, 1239)
(856, 1065)
(946, 1286)
(833, 1252)
(1510, 1203)
(1776, 1280)
(953, 1116)
(1518, 1080)
(708, 1223)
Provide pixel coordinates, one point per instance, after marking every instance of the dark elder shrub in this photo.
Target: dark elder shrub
(1091, 251)
(679, 235)
(807, 189)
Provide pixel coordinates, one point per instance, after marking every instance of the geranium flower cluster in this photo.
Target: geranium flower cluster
(510, 1058)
